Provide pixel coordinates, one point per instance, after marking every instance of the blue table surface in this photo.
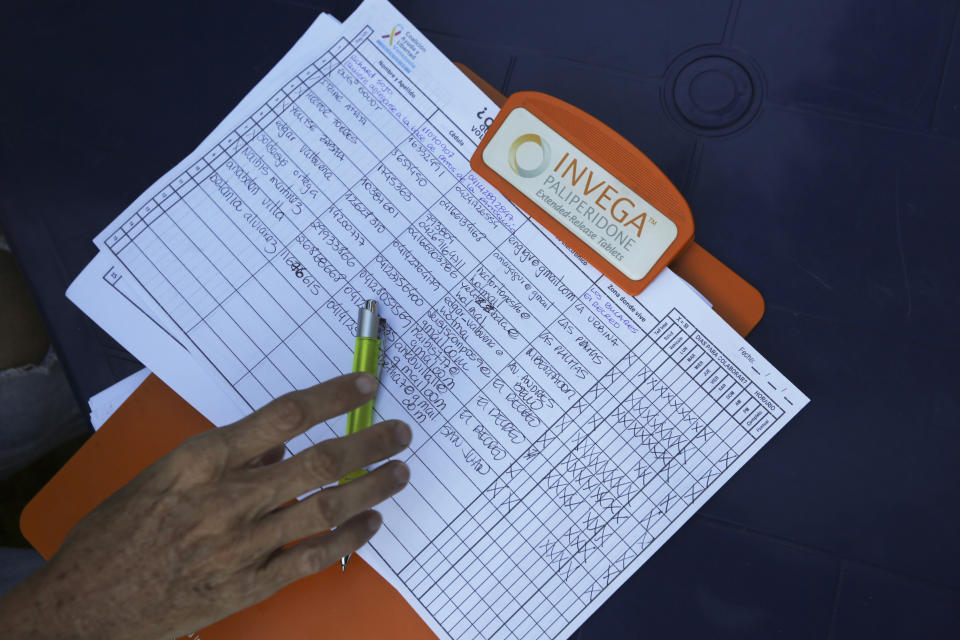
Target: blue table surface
(818, 145)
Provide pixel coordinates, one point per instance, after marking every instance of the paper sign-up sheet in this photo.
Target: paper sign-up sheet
(562, 430)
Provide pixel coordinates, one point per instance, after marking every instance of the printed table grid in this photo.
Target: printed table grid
(659, 515)
(621, 455)
(247, 131)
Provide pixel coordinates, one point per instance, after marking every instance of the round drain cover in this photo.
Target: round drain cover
(711, 91)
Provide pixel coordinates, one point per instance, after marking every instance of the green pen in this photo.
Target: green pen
(366, 358)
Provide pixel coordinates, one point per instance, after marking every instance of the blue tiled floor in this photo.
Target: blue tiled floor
(716, 581)
(872, 603)
(836, 197)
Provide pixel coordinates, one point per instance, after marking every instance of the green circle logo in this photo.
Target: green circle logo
(512, 155)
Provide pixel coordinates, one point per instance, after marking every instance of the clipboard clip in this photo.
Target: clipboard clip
(587, 185)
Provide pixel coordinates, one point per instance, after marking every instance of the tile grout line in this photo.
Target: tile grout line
(508, 75)
(851, 324)
(693, 170)
(847, 118)
(504, 48)
(944, 68)
(836, 601)
(898, 573)
(729, 27)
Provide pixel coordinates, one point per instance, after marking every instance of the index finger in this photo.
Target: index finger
(294, 413)
(333, 459)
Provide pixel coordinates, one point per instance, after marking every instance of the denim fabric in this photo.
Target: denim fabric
(15, 565)
(37, 412)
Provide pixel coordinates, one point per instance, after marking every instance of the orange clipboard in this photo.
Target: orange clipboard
(154, 420)
(733, 298)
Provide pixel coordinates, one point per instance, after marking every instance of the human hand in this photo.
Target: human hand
(201, 533)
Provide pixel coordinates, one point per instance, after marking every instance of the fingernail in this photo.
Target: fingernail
(401, 473)
(365, 383)
(402, 433)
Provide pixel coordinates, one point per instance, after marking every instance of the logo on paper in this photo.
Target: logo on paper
(392, 35)
(515, 148)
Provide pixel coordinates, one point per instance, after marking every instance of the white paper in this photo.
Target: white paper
(104, 404)
(562, 430)
(103, 294)
(107, 293)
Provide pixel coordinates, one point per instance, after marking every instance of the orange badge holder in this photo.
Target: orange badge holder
(154, 420)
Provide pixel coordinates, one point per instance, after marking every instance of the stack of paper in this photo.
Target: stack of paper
(104, 404)
(562, 430)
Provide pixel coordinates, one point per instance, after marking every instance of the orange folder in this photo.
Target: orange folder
(330, 604)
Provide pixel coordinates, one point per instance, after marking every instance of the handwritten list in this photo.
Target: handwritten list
(562, 430)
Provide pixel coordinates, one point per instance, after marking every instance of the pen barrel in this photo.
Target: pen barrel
(366, 357)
